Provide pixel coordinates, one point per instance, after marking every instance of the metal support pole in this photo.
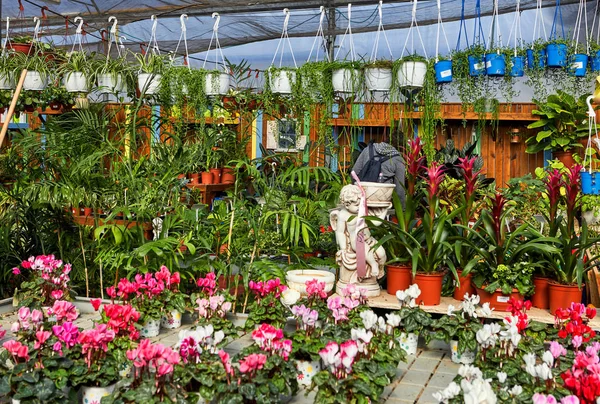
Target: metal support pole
(331, 30)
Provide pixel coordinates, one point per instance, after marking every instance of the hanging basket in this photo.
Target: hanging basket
(590, 182)
(536, 60)
(411, 75)
(595, 62)
(518, 66)
(76, 82)
(345, 80)
(149, 83)
(216, 83)
(578, 65)
(378, 79)
(556, 55)
(34, 81)
(282, 81)
(443, 71)
(495, 65)
(6, 82)
(476, 66)
(111, 83)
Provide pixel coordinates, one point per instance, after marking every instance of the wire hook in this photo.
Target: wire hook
(591, 112)
(286, 11)
(37, 22)
(216, 25)
(80, 25)
(182, 18)
(113, 19)
(44, 12)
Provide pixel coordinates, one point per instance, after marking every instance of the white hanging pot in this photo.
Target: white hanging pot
(282, 81)
(378, 79)
(111, 83)
(466, 358)
(149, 83)
(34, 81)
(409, 343)
(216, 83)
(306, 371)
(171, 322)
(345, 80)
(90, 395)
(412, 74)
(150, 329)
(6, 82)
(76, 82)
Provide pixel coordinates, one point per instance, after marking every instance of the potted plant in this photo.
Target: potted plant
(556, 52)
(20, 44)
(212, 306)
(443, 70)
(280, 80)
(151, 66)
(414, 321)
(378, 75)
(410, 72)
(459, 326)
(476, 60)
(564, 122)
(267, 306)
(7, 72)
(113, 75)
(172, 298)
(536, 55)
(577, 60)
(495, 62)
(38, 71)
(345, 76)
(217, 82)
(76, 72)
(57, 98)
(594, 52)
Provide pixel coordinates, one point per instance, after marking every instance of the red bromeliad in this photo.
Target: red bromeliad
(572, 186)
(435, 176)
(471, 177)
(553, 183)
(415, 163)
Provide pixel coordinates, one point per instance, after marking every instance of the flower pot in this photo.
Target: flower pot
(345, 80)
(207, 177)
(151, 328)
(76, 82)
(377, 192)
(399, 277)
(497, 300)
(194, 178)
(518, 66)
(282, 81)
(216, 172)
(431, 288)
(590, 183)
(125, 369)
(561, 296)
(412, 74)
(34, 81)
(149, 83)
(378, 79)
(20, 47)
(466, 358)
(306, 371)
(443, 71)
(227, 176)
(109, 83)
(464, 286)
(296, 279)
(476, 66)
(565, 157)
(539, 298)
(540, 56)
(87, 212)
(91, 395)
(595, 62)
(578, 65)
(171, 322)
(409, 342)
(556, 55)
(495, 65)
(6, 82)
(216, 83)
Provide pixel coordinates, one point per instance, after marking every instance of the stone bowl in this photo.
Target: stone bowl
(378, 193)
(296, 279)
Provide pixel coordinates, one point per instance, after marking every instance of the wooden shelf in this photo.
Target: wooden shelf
(210, 190)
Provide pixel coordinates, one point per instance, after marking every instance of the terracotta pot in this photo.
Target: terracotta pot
(194, 178)
(20, 47)
(148, 234)
(55, 106)
(207, 177)
(497, 300)
(227, 176)
(399, 277)
(216, 172)
(515, 139)
(229, 102)
(431, 288)
(561, 296)
(465, 286)
(75, 211)
(565, 157)
(539, 298)
(181, 176)
(87, 212)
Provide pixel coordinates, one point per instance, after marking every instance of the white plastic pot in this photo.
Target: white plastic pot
(412, 74)
(378, 79)
(34, 81)
(306, 371)
(6, 82)
(282, 81)
(409, 343)
(149, 83)
(150, 329)
(171, 322)
(76, 82)
(216, 85)
(110, 83)
(296, 279)
(91, 395)
(466, 358)
(345, 80)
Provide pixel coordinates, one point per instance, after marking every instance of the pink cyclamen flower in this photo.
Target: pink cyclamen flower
(224, 356)
(2, 332)
(314, 288)
(37, 316)
(64, 310)
(96, 303)
(556, 349)
(577, 341)
(570, 400)
(252, 363)
(56, 294)
(17, 349)
(16, 271)
(40, 338)
(543, 399)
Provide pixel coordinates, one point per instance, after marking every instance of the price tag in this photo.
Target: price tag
(503, 299)
(445, 73)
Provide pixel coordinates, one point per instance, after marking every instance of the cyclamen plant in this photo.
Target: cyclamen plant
(46, 281)
(413, 318)
(266, 307)
(345, 307)
(308, 336)
(212, 307)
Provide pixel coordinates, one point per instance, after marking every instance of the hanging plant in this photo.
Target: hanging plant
(467, 88)
(431, 100)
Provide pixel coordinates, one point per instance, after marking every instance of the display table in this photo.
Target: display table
(209, 191)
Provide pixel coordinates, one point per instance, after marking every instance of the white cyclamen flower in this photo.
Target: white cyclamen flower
(451, 309)
(393, 320)
(401, 296)
(290, 296)
(478, 391)
(516, 391)
(470, 372)
(448, 393)
(501, 377)
(543, 371)
(485, 310)
(413, 291)
(369, 318)
(548, 358)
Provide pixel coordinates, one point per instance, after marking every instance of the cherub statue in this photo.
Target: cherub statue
(346, 221)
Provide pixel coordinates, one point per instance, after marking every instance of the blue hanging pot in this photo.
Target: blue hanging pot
(595, 62)
(476, 66)
(578, 65)
(590, 182)
(557, 54)
(495, 65)
(443, 71)
(540, 55)
(518, 66)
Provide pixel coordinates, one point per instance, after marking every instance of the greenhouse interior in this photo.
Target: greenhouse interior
(299, 202)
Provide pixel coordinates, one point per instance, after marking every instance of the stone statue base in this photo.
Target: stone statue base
(370, 286)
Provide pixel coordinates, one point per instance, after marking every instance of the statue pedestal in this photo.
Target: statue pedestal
(370, 286)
